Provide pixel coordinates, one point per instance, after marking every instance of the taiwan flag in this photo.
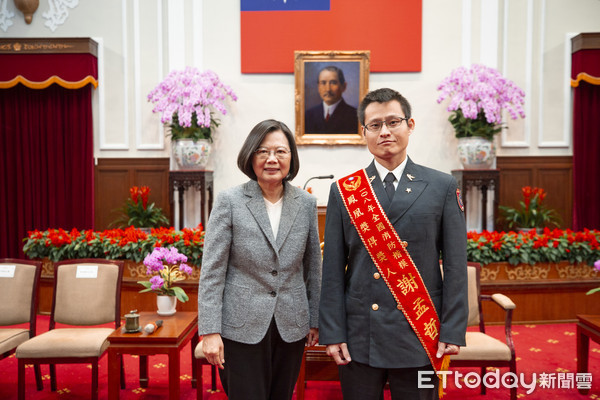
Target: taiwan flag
(273, 29)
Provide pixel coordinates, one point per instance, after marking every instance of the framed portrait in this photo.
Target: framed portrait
(329, 88)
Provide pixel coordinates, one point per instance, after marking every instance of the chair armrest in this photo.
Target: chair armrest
(503, 301)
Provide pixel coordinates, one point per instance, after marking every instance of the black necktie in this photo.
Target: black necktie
(389, 185)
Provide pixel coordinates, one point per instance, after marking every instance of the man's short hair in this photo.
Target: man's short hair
(256, 137)
(338, 71)
(383, 95)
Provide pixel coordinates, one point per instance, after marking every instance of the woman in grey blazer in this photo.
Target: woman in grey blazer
(261, 272)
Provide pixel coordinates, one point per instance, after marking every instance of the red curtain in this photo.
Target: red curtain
(47, 164)
(585, 74)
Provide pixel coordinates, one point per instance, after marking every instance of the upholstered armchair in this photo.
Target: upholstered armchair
(87, 293)
(483, 350)
(200, 360)
(19, 283)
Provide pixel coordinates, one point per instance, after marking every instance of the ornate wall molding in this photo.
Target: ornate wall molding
(58, 12)
(5, 16)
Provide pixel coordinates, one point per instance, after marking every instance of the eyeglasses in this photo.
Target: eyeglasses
(281, 153)
(392, 124)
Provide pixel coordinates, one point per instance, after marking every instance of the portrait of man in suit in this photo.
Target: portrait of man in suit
(333, 114)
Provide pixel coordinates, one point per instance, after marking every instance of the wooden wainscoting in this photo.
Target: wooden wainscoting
(114, 177)
(542, 302)
(552, 173)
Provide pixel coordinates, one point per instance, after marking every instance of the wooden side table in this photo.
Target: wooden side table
(175, 333)
(182, 180)
(588, 327)
(483, 179)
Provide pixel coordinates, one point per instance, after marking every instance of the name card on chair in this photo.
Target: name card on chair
(7, 271)
(87, 271)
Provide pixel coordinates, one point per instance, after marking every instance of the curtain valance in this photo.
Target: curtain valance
(585, 59)
(37, 63)
(38, 71)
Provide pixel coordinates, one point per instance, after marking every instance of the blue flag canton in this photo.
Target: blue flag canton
(285, 5)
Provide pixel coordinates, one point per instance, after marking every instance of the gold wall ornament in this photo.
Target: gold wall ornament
(28, 8)
(576, 271)
(528, 272)
(138, 270)
(489, 272)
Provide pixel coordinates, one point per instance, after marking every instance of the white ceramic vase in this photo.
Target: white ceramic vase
(166, 305)
(191, 155)
(476, 152)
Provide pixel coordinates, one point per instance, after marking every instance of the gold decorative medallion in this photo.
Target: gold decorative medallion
(352, 183)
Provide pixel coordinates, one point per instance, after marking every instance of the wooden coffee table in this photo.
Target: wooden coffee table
(175, 333)
(588, 327)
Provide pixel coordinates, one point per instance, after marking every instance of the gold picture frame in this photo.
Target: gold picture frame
(312, 125)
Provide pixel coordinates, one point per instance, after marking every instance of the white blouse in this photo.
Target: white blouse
(274, 212)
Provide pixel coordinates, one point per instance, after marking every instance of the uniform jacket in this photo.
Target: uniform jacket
(248, 276)
(430, 219)
(343, 120)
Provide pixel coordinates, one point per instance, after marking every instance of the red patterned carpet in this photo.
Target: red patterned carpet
(549, 349)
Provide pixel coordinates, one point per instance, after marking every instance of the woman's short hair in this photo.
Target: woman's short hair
(256, 137)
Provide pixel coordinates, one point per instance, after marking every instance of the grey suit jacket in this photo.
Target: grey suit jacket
(430, 219)
(248, 276)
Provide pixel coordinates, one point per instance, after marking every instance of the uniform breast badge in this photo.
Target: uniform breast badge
(459, 200)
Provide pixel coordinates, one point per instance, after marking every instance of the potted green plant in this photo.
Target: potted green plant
(138, 213)
(187, 100)
(477, 97)
(531, 213)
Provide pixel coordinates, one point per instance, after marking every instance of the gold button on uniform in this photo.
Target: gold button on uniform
(376, 275)
(375, 307)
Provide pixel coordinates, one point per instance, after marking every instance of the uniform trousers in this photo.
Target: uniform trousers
(363, 382)
(267, 370)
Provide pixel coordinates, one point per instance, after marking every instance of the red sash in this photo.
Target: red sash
(391, 258)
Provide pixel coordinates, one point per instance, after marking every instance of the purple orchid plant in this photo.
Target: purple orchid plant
(166, 266)
(597, 266)
(477, 97)
(187, 100)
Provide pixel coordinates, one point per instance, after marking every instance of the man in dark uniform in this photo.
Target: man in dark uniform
(361, 322)
(333, 115)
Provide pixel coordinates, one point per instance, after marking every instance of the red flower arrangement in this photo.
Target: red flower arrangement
(124, 244)
(530, 248)
(531, 213)
(138, 213)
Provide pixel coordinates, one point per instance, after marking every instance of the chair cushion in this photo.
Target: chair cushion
(66, 342)
(198, 353)
(482, 347)
(11, 338)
